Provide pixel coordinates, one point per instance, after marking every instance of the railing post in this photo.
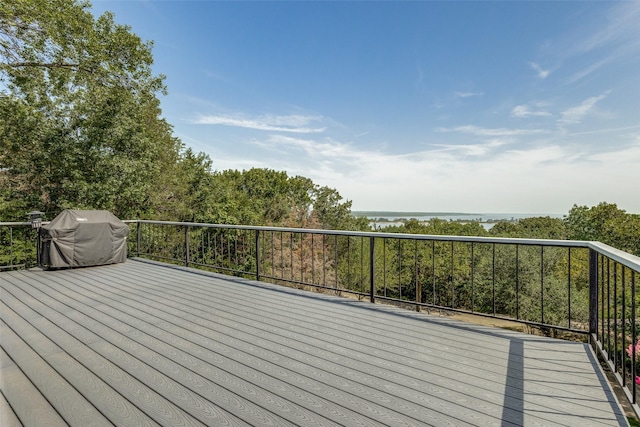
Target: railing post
(186, 245)
(258, 255)
(593, 294)
(138, 237)
(372, 282)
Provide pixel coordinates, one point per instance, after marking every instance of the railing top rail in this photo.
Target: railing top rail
(18, 223)
(624, 258)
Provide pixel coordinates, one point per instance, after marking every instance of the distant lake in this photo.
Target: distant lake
(385, 219)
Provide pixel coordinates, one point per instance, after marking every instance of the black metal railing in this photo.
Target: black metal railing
(18, 246)
(585, 288)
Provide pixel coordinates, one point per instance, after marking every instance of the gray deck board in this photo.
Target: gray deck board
(8, 417)
(143, 343)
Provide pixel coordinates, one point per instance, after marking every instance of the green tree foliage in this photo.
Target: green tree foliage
(80, 119)
(531, 228)
(269, 197)
(438, 227)
(605, 223)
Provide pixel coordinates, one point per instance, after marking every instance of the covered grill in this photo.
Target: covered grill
(78, 238)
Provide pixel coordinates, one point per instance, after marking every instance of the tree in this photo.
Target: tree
(331, 211)
(80, 119)
(531, 228)
(605, 223)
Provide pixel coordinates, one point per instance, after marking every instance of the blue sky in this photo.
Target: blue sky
(523, 107)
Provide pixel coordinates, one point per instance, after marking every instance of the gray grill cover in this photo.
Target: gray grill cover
(83, 238)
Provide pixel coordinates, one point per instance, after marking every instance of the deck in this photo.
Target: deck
(144, 343)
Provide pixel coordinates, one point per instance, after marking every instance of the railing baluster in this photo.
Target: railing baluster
(452, 283)
(569, 288)
(11, 247)
(518, 282)
(348, 262)
(634, 339)
(473, 274)
(313, 265)
(324, 260)
(273, 255)
(624, 333)
(493, 278)
(400, 267)
(301, 258)
(418, 285)
(384, 264)
(615, 316)
(186, 246)
(433, 270)
(372, 283)
(542, 284)
(138, 237)
(362, 264)
(609, 309)
(335, 247)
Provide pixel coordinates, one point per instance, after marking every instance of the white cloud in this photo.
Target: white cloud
(481, 149)
(496, 174)
(291, 123)
(543, 74)
(478, 131)
(320, 149)
(468, 94)
(523, 111)
(575, 114)
(545, 179)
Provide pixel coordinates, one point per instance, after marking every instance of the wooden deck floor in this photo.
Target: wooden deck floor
(148, 344)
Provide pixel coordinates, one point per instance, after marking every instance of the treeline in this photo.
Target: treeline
(604, 223)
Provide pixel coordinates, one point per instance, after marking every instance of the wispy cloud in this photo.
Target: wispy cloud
(291, 123)
(575, 114)
(620, 28)
(524, 111)
(543, 74)
(479, 131)
(590, 69)
(472, 149)
(603, 40)
(326, 148)
(468, 94)
(608, 130)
